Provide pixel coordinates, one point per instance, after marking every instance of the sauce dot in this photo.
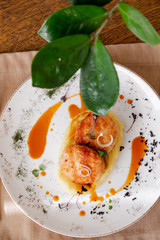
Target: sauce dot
(41, 187)
(51, 129)
(107, 195)
(83, 202)
(82, 213)
(112, 191)
(47, 192)
(55, 198)
(121, 97)
(129, 101)
(109, 182)
(51, 195)
(43, 173)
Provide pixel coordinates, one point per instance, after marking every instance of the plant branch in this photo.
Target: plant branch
(109, 14)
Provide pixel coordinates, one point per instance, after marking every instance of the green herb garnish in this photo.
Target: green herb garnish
(42, 167)
(110, 200)
(92, 136)
(35, 172)
(50, 93)
(110, 207)
(102, 153)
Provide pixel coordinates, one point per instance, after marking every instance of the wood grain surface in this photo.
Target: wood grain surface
(21, 19)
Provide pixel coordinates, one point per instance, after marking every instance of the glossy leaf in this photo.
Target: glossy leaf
(99, 83)
(72, 20)
(139, 24)
(56, 62)
(90, 2)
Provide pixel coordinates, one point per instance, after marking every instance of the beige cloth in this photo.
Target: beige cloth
(14, 69)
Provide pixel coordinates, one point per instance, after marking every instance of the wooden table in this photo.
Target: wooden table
(20, 20)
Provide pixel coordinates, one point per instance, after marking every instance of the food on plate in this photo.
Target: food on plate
(100, 132)
(89, 151)
(81, 164)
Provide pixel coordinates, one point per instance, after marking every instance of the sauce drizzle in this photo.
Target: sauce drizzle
(38, 135)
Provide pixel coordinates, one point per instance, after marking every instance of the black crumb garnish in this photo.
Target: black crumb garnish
(121, 148)
(140, 114)
(44, 211)
(127, 194)
(151, 134)
(133, 106)
(63, 98)
(94, 208)
(146, 99)
(145, 150)
(103, 205)
(140, 133)
(152, 150)
(152, 159)
(136, 99)
(84, 189)
(134, 199)
(100, 213)
(150, 170)
(154, 144)
(136, 179)
(146, 164)
(9, 109)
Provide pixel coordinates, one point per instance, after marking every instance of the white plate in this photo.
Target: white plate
(22, 112)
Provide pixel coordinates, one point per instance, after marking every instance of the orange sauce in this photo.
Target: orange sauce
(138, 149)
(112, 191)
(109, 182)
(47, 192)
(51, 195)
(43, 173)
(94, 197)
(82, 213)
(83, 202)
(74, 110)
(55, 198)
(38, 134)
(41, 187)
(121, 97)
(107, 195)
(129, 101)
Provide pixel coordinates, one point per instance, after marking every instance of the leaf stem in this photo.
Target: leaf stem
(109, 14)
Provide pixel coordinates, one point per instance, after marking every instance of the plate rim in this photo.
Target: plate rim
(75, 235)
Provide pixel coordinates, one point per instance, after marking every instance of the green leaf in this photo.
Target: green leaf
(56, 62)
(35, 172)
(138, 24)
(72, 20)
(90, 2)
(102, 153)
(42, 167)
(99, 83)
